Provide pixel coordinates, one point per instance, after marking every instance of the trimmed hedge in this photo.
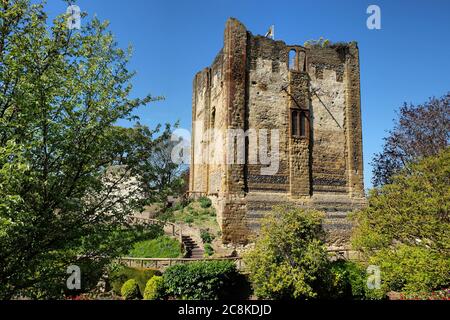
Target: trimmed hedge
(130, 290)
(154, 290)
(119, 276)
(203, 280)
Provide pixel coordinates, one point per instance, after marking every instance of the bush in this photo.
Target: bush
(206, 236)
(130, 290)
(205, 280)
(209, 251)
(412, 270)
(205, 202)
(161, 247)
(121, 274)
(154, 290)
(405, 228)
(289, 255)
(347, 280)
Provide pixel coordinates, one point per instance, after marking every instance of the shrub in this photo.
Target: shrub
(412, 270)
(405, 228)
(209, 251)
(121, 274)
(206, 236)
(347, 280)
(289, 255)
(205, 202)
(154, 290)
(205, 280)
(130, 290)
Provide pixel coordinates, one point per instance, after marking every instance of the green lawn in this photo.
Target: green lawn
(161, 247)
(194, 214)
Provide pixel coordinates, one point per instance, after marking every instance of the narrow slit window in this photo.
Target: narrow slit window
(303, 121)
(294, 120)
(292, 60)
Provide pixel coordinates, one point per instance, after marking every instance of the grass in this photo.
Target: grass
(195, 214)
(161, 247)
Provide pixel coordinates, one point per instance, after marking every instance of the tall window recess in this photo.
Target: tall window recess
(300, 123)
(293, 60)
(297, 59)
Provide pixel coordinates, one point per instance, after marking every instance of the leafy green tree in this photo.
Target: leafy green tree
(289, 257)
(411, 269)
(159, 174)
(406, 227)
(61, 198)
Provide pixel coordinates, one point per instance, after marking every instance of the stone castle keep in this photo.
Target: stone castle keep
(309, 98)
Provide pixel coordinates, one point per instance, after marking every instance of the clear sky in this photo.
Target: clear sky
(408, 60)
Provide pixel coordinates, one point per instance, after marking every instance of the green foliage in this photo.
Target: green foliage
(209, 251)
(159, 175)
(205, 280)
(206, 236)
(412, 210)
(348, 280)
(130, 290)
(62, 93)
(154, 290)
(289, 256)
(321, 42)
(161, 247)
(405, 230)
(412, 269)
(120, 274)
(205, 202)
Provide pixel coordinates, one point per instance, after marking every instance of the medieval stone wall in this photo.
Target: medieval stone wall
(252, 87)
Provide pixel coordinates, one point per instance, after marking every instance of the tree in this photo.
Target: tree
(406, 227)
(159, 174)
(420, 131)
(61, 93)
(289, 256)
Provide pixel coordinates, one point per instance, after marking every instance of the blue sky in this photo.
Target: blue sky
(408, 60)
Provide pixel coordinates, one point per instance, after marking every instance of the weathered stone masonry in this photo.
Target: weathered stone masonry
(314, 103)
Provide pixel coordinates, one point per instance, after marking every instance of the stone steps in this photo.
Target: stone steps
(193, 250)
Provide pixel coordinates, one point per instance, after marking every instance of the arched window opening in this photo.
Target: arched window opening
(293, 63)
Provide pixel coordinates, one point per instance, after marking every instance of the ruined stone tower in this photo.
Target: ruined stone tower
(277, 124)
